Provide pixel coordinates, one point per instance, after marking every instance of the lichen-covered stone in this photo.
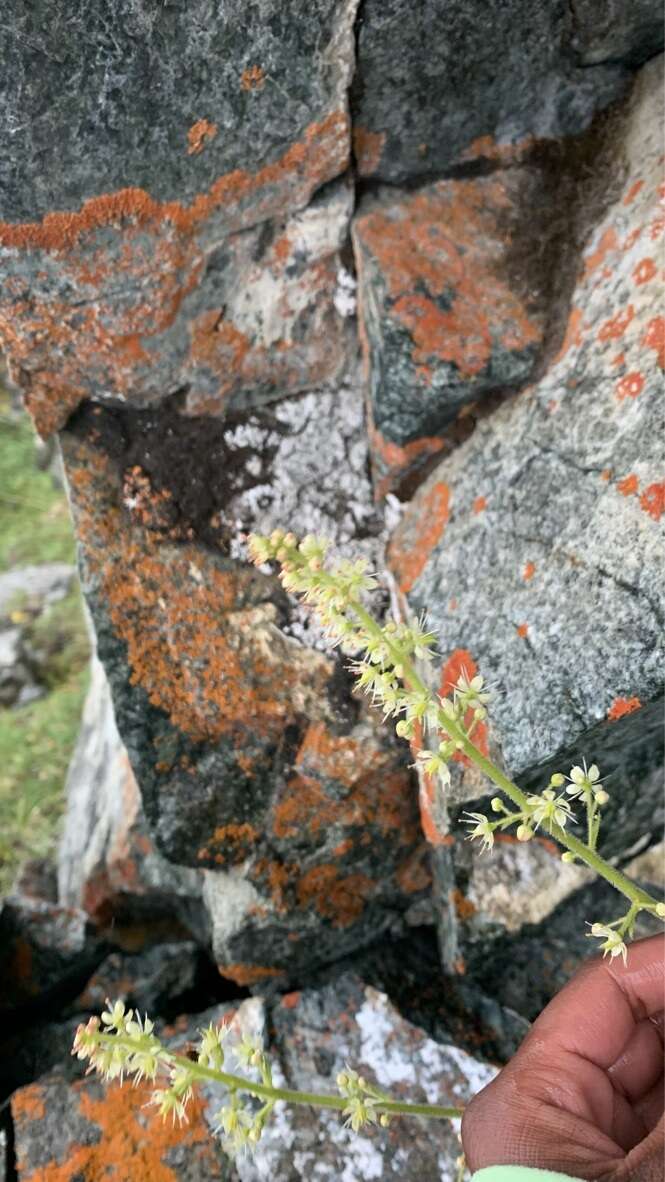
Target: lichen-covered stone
(255, 763)
(535, 548)
(121, 265)
(317, 1033)
(444, 316)
(107, 863)
(438, 85)
(87, 1129)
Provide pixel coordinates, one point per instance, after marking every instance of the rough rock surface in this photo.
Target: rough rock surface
(437, 86)
(535, 548)
(445, 315)
(108, 863)
(316, 1034)
(616, 32)
(122, 266)
(44, 949)
(255, 764)
(24, 593)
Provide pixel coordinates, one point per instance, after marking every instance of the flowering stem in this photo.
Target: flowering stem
(586, 853)
(238, 1083)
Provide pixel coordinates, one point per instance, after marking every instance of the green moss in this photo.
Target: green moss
(37, 741)
(34, 518)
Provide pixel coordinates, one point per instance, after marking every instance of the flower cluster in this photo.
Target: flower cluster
(363, 1099)
(122, 1044)
(385, 665)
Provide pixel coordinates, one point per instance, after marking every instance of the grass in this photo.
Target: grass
(37, 740)
(34, 518)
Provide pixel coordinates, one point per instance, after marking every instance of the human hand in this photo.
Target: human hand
(584, 1093)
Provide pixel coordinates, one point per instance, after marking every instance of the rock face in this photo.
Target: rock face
(439, 86)
(547, 522)
(254, 765)
(24, 594)
(193, 202)
(128, 287)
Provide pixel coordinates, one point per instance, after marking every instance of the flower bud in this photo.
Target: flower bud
(660, 910)
(384, 1120)
(602, 796)
(342, 1080)
(568, 857)
(290, 540)
(524, 833)
(497, 805)
(557, 780)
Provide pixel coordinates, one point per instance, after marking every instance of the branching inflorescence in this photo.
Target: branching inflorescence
(384, 659)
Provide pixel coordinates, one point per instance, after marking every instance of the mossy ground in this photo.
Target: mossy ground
(37, 740)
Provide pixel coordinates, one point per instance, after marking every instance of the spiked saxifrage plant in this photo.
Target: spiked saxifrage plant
(383, 659)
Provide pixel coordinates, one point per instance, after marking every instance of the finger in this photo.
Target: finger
(645, 1162)
(640, 1064)
(595, 1014)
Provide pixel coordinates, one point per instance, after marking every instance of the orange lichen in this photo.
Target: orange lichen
(479, 504)
(486, 146)
(632, 192)
(461, 662)
(606, 474)
(644, 271)
(522, 631)
(234, 842)
(628, 485)
(291, 1000)
(133, 1142)
(622, 706)
(253, 78)
(652, 500)
(414, 874)
(28, 1103)
(607, 243)
(63, 351)
(197, 640)
(654, 338)
(529, 571)
(340, 899)
(630, 386)
(394, 461)
(464, 908)
(367, 149)
(378, 788)
(614, 328)
(440, 256)
(573, 334)
(247, 974)
(413, 540)
(200, 134)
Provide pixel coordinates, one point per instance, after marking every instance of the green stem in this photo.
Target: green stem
(586, 854)
(317, 1099)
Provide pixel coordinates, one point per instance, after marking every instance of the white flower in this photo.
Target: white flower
(549, 809)
(613, 943)
(584, 781)
(470, 690)
(482, 829)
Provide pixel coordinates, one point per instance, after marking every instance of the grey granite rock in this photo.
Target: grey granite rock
(105, 97)
(438, 85)
(35, 586)
(536, 547)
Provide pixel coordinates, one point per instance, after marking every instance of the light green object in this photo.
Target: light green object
(519, 1174)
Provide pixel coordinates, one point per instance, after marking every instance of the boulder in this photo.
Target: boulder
(185, 255)
(255, 763)
(535, 550)
(445, 316)
(616, 32)
(439, 86)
